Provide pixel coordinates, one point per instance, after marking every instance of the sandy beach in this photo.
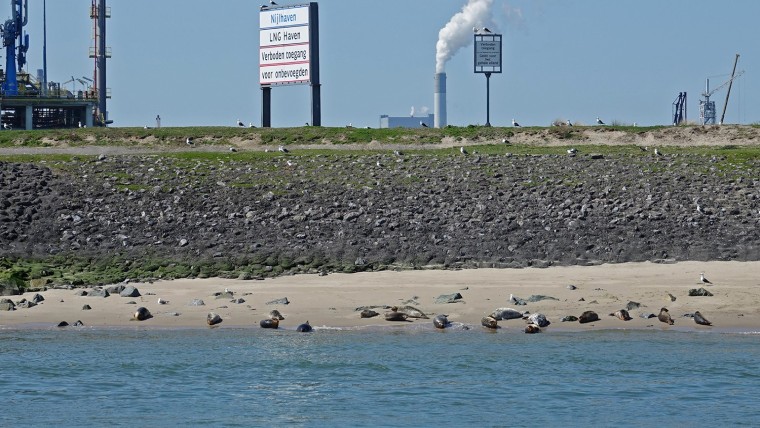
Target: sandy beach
(331, 301)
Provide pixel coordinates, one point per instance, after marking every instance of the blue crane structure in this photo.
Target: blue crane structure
(12, 32)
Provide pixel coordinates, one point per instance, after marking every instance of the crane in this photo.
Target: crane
(707, 107)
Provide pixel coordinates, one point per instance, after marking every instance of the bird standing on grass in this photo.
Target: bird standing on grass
(462, 150)
(189, 141)
(240, 123)
(599, 121)
(282, 149)
(423, 124)
(514, 123)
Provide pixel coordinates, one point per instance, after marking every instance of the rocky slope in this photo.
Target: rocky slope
(277, 213)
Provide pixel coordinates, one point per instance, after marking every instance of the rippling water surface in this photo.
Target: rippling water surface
(376, 378)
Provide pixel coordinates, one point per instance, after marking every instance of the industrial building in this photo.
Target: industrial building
(406, 121)
(32, 102)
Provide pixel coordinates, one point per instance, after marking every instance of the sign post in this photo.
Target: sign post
(289, 54)
(487, 61)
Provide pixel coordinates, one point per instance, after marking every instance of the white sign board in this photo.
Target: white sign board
(284, 50)
(488, 53)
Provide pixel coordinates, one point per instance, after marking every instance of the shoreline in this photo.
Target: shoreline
(330, 302)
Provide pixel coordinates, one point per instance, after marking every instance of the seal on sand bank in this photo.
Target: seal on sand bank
(664, 316)
(141, 314)
(270, 323)
(489, 322)
(395, 315)
(699, 319)
(441, 321)
(622, 314)
(588, 316)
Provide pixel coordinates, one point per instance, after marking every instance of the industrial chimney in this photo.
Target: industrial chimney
(439, 100)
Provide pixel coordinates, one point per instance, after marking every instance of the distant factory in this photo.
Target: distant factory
(32, 102)
(406, 121)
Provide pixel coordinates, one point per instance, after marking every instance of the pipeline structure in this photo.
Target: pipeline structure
(30, 101)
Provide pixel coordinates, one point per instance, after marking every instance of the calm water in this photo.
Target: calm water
(253, 377)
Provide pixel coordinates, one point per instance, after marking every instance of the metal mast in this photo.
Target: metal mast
(728, 93)
(99, 12)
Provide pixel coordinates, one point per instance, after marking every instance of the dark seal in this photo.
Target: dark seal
(213, 319)
(141, 314)
(304, 328)
(395, 315)
(270, 323)
(699, 319)
(532, 329)
(621, 314)
(664, 316)
(588, 316)
(441, 321)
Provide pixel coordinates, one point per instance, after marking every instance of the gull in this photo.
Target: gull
(398, 153)
(514, 123)
(289, 163)
(282, 149)
(240, 123)
(643, 149)
(599, 121)
(227, 290)
(486, 30)
(80, 124)
(162, 301)
(704, 280)
(462, 150)
(569, 123)
(475, 29)
(572, 151)
(233, 150)
(379, 165)
(423, 124)
(350, 125)
(306, 124)
(272, 3)
(250, 125)
(634, 124)
(263, 6)
(504, 141)
(144, 127)
(657, 152)
(189, 141)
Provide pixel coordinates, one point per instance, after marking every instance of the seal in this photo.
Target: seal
(270, 323)
(506, 314)
(441, 321)
(141, 314)
(368, 313)
(532, 329)
(489, 322)
(664, 316)
(395, 315)
(304, 328)
(274, 313)
(699, 319)
(588, 316)
(622, 314)
(539, 320)
(213, 319)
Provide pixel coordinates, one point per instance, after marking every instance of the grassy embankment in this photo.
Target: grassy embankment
(733, 162)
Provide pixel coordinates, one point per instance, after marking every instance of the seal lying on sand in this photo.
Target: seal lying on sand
(441, 321)
(664, 316)
(699, 319)
(395, 315)
(622, 314)
(588, 316)
(532, 329)
(141, 314)
(489, 322)
(213, 319)
(270, 323)
(506, 314)
(274, 313)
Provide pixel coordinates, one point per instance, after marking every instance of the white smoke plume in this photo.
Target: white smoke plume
(458, 32)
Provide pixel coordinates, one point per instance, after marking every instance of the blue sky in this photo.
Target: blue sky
(196, 62)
